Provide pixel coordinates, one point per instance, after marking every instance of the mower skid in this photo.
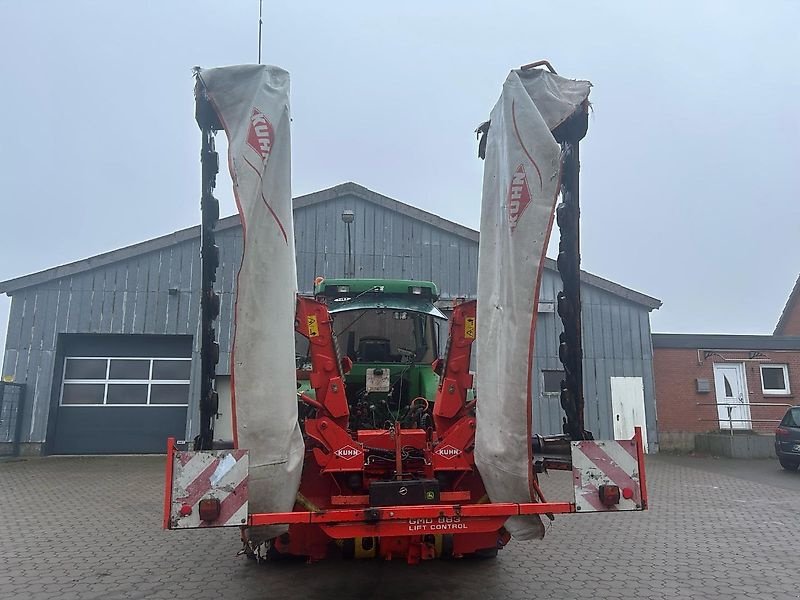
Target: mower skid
(205, 488)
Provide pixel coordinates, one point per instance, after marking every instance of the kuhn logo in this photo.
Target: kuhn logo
(447, 452)
(519, 196)
(261, 134)
(348, 452)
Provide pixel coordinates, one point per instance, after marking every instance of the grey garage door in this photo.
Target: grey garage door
(121, 394)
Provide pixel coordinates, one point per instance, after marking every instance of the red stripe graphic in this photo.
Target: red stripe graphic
(524, 149)
(277, 220)
(607, 465)
(630, 447)
(269, 208)
(233, 502)
(200, 485)
(260, 175)
(237, 454)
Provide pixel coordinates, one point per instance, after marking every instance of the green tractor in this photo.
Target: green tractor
(388, 332)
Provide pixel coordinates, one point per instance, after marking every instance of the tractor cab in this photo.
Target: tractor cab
(387, 330)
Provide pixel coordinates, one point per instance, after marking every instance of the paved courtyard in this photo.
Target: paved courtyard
(84, 528)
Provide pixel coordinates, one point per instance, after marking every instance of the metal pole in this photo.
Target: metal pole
(348, 216)
(351, 267)
(260, 23)
(730, 427)
(2, 401)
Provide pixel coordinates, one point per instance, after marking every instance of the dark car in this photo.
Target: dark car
(787, 439)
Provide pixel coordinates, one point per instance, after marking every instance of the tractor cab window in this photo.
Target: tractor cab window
(386, 336)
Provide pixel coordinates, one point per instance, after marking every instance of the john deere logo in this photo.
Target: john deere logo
(348, 452)
(447, 452)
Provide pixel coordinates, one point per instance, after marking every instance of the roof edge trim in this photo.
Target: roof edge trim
(724, 341)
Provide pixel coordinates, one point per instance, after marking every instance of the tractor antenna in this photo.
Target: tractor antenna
(260, 23)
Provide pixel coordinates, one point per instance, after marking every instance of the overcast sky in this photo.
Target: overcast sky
(690, 171)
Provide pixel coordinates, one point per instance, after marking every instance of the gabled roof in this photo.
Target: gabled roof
(345, 189)
(713, 341)
(789, 308)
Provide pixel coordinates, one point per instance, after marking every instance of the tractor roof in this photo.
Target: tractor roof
(353, 287)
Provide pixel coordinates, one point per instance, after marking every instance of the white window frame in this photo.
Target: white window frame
(784, 392)
(108, 381)
(544, 392)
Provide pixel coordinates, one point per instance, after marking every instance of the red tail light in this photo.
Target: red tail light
(209, 509)
(782, 431)
(609, 495)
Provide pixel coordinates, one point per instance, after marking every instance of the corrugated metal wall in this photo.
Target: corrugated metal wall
(156, 293)
(386, 244)
(616, 343)
(153, 293)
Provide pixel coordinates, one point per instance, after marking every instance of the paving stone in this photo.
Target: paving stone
(90, 527)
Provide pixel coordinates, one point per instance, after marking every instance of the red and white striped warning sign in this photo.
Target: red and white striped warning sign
(608, 462)
(218, 476)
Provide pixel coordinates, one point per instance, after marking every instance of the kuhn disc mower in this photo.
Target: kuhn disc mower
(362, 440)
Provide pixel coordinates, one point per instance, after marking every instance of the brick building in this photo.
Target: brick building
(698, 377)
(712, 383)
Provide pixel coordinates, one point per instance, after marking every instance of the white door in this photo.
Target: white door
(627, 404)
(223, 424)
(730, 384)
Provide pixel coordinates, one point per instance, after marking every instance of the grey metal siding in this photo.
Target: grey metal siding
(157, 293)
(386, 244)
(616, 343)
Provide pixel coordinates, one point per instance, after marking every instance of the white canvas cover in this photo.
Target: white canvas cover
(252, 102)
(521, 181)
